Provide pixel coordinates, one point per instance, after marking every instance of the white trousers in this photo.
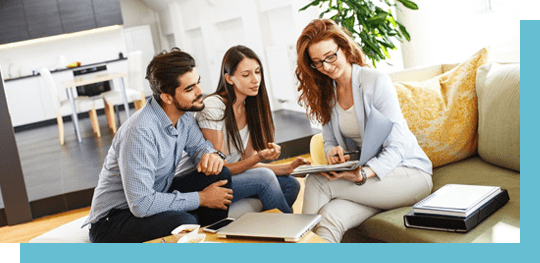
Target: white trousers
(344, 205)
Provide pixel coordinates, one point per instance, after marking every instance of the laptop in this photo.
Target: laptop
(283, 227)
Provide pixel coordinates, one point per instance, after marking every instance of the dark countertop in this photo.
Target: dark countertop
(64, 69)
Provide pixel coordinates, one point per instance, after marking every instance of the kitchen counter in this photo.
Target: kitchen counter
(64, 69)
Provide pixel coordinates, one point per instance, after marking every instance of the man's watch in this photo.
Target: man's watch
(364, 177)
(220, 154)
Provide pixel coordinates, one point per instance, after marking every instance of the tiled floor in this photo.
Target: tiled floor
(51, 169)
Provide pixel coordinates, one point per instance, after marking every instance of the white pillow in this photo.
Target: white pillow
(498, 89)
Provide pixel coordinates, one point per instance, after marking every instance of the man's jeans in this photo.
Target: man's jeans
(121, 226)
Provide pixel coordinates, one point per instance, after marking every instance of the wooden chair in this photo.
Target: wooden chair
(63, 107)
(134, 90)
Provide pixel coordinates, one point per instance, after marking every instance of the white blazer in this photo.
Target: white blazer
(372, 88)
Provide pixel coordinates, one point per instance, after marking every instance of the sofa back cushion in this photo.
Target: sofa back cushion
(420, 73)
(416, 74)
(498, 89)
(442, 111)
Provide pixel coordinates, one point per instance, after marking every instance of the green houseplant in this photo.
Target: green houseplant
(372, 23)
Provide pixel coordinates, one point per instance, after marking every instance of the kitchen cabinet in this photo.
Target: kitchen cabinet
(76, 15)
(42, 18)
(29, 19)
(13, 23)
(107, 12)
(29, 100)
(24, 101)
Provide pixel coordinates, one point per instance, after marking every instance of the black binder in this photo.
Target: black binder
(456, 224)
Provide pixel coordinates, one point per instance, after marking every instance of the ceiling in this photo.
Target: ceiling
(160, 5)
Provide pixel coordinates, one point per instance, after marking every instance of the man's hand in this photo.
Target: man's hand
(271, 153)
(215, 196)
(210, 164)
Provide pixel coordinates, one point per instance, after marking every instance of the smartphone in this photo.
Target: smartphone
(213, 228)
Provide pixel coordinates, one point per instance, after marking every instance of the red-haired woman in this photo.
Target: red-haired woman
(340, 91)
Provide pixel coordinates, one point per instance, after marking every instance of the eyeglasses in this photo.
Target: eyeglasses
(330, 59)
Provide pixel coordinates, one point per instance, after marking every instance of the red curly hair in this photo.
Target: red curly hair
(317, 93)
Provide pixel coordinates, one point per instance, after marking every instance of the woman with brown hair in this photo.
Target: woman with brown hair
(238, 121)
(340, 91)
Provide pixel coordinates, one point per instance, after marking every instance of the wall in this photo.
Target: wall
(441, 32)
(206, 29)
(451, 31)
(137, 13)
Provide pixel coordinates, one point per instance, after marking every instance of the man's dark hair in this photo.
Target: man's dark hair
(164, 71)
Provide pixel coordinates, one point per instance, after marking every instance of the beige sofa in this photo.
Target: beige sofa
(496, 163)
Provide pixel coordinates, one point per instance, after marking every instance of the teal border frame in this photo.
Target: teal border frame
(530, 95)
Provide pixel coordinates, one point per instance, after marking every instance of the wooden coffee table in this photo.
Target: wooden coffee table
(310, 237)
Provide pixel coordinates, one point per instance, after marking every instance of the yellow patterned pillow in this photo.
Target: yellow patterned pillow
(442, 112)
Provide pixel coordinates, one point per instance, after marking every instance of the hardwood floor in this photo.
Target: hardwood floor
(51, 169)
(23, 233)
(62, 178)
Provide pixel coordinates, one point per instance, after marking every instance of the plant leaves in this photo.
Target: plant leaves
(404, 32)
(409, 4)
(313, 3)
(349, 23)
(372, 26)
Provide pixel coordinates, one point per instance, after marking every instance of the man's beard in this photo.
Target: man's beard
(192, 108)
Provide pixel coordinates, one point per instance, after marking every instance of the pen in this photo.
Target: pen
(346, 153)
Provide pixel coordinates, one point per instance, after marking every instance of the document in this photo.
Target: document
(312, 169)
(378, 128)
(456, 200)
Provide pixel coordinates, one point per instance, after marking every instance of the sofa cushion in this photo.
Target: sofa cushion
(442, 112)
(316, 150)
(388, 226)
(498, 89)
